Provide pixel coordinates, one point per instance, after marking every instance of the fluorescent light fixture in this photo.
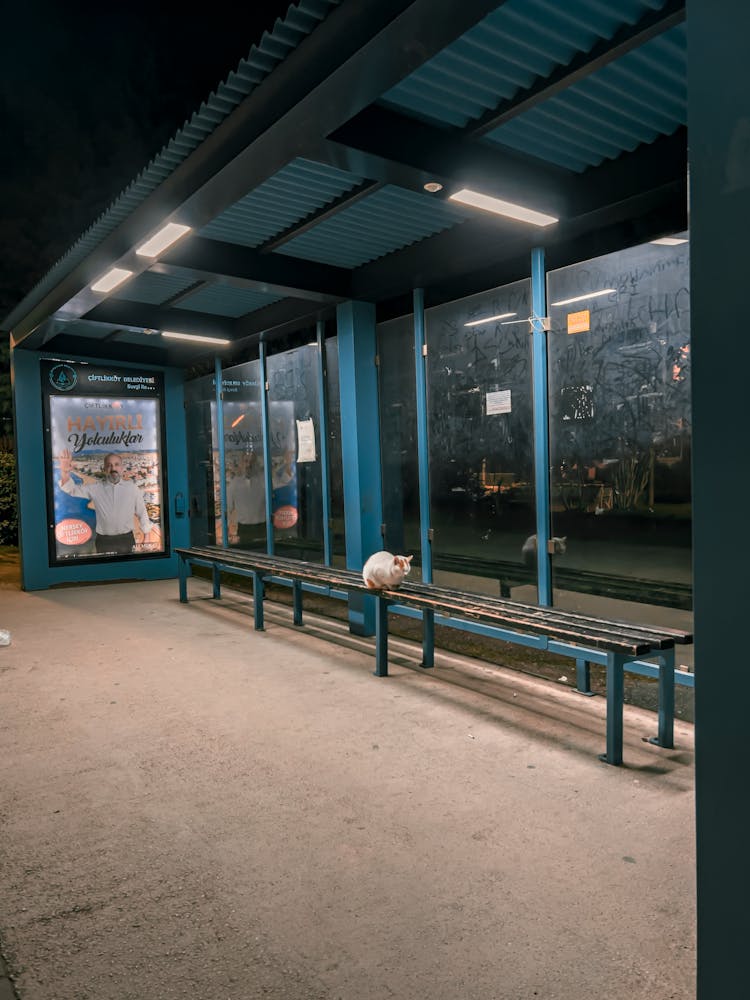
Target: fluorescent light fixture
(478, 200)
(668, 241)
(489, 319)
(582, 298)
(166, 236)
(194, 336)
(112, 279)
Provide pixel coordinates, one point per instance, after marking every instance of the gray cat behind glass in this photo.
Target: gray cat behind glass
(528, 549)
(383, 570)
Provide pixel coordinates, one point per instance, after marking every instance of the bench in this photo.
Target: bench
(614, 644)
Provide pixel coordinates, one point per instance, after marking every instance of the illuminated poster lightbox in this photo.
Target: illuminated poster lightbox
(105, 470)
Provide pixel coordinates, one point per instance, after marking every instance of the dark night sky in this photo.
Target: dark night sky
(89, 94)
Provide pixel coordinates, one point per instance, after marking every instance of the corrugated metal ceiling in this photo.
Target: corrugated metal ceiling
(152, 288)
(613, 110)
(387, 220)
(300, 188)
(226, 300)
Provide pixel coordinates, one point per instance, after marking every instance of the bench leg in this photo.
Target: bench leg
(615, 700)
(428, 639)
(381, 637)
(182, 571)
(297, 601)
(217, 581)
(665, 737)
(583, 677)
(258, 594)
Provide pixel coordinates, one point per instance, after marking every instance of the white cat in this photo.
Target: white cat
(384, 570)
(528, 549)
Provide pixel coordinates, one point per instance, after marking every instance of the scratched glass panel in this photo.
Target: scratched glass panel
(620, 419)
(398, 434)
(294, 417)
(481, 440)
(336, 480)
(243, 456)
(203, 462)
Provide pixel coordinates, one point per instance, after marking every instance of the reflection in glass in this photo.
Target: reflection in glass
(398, 433)
(481, 436)
(243, 456)
(335, 462)
(204, 508)
(619, 383)
(294, 432)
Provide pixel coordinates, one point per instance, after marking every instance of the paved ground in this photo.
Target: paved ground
(189, 809)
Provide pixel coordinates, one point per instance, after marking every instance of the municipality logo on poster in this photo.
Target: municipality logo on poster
(63, 377)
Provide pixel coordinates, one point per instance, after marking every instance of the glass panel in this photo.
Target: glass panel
(243, 456)
(294, 415)
(619, 376)
(203, 463)
(481, 441)
(398, 434)
(336, 484)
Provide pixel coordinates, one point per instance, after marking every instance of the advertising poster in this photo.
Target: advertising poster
(105, 477)
(245, 470)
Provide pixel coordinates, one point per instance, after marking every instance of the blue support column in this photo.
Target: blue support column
(222, 459)
(265, 425)
(718, 85)
(258, 595)
(423, 463)
(541, 426)
(325, 466)
(360, 448)
(615, 702)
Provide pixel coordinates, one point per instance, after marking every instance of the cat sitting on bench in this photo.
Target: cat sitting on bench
(383, 570)
(528, 549)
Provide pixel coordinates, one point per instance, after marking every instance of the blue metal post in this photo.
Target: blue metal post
(324, 459)
(220, 439)
(541, 425)
(266, 424)
(615, 701)
(360, 448)
(423, 462)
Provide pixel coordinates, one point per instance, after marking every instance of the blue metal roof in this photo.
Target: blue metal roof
(301, 19)
(226, 300)
(297, 190)
(152, 288)
(633, 100)
(387, 220)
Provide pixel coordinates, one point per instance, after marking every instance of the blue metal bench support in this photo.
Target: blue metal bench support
(428, 639)
(297, 601)
(666, 699)
(216, 572)
(183, 568)
(615, 701)
(258, 595)
(381, 636)
(583, 677)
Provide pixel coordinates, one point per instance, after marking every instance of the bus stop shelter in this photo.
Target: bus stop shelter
(369, 161)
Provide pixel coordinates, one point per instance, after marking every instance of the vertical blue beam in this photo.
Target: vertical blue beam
(423, 462)
(222, 460)
(325, 473)
(717, 34)
(541, 425)
(360, 448)
(265, 425)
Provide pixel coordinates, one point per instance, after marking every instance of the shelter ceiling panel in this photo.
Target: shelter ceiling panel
(506, 52)
(296, 191)
(153, 288)
(226, 300)
(631, 101)
(387, 220)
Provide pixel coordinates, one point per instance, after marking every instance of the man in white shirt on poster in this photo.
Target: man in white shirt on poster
(116, 501)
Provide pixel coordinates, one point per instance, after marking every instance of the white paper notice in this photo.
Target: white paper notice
(498, 402)
(305, 441)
